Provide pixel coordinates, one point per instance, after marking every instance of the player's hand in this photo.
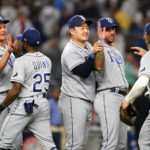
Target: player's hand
(97, 47)
(139, 51)
(101, 31)
(125, 104)
(17, 48)
(9, 44)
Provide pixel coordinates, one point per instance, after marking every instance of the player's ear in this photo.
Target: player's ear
(71, 31)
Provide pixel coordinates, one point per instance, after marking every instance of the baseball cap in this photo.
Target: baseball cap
(107, 22)
(147, 28)
(3, 21)
(77, 20)
(30, 35)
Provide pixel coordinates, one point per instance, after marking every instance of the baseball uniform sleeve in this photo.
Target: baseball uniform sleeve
(145, 66)
(73, 59)
(18, 73)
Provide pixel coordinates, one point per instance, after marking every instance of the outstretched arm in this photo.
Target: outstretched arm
(136, 90)
(139, 51)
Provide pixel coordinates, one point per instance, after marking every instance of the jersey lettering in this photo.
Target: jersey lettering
(115, 57)
(40, 64)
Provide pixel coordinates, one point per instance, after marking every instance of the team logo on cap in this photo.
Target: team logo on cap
(82, 17)
(110, 20)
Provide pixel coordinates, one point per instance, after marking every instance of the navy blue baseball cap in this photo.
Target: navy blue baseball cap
(77, 20)
(147, 28)
(3, 21)
(30, 35)
(107, 22)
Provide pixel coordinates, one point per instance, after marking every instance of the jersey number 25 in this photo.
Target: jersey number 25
(38, 82)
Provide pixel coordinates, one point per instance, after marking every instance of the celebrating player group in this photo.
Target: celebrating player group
(93, 77)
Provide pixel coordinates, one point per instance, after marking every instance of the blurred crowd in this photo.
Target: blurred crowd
(51, 18)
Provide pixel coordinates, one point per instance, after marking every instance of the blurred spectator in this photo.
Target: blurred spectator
(20, 23)
(130, 70)
(7, 10)
(49, 18)
(64, 37)
(56, 119)
(50, 49)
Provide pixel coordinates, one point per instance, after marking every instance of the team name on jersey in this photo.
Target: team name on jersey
(41, 64)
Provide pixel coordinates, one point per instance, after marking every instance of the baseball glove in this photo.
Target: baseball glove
(128, 115)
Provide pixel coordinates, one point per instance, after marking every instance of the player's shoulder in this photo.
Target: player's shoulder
(146, 56)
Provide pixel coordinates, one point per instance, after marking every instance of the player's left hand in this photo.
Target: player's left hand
(9, 44)
(101, 31)
(125, 104)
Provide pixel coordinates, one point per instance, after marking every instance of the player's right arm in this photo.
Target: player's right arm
(4, 59)
(99, 56)
(12, 95)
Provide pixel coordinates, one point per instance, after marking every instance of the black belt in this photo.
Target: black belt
(4, 92)
(86, 101)
(118, 91)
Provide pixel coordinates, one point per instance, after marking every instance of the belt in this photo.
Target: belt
(34, 96)
(116, 90)
(4, 92)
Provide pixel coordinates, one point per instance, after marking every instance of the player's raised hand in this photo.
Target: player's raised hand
(17, 48)
(9, 44)
(97, 47)
(101, 31)
(139, 51)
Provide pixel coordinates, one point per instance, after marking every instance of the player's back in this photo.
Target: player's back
(33, 71)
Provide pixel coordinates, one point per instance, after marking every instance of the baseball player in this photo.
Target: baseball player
(30, 78)
(111, 89)
(78, 82)
(6, 65)
(138, 88)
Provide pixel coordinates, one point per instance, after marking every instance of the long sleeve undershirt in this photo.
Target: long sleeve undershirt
(83, 70)
(137, 88)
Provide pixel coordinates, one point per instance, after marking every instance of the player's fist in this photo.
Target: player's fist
(9, 44)
(97, 47)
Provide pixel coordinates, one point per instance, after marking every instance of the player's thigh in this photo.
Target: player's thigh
(144, 136)
(76, 114)
(40, 127)
(4, 113)
(107, 106)
(13, 126)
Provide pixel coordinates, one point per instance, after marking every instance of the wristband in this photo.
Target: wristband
(92, 55)
(2, 107)
(101, 41)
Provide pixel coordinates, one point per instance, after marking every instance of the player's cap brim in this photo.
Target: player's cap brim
(20, 37)
(4, 21)
(89, 22)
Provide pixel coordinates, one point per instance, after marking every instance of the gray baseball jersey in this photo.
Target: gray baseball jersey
(144, 69)
(73, 85)
(5, 75)
(144, 136)
(39, 68)
(107, 103)
(113, 74)
(32, 70)
(5, 85)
